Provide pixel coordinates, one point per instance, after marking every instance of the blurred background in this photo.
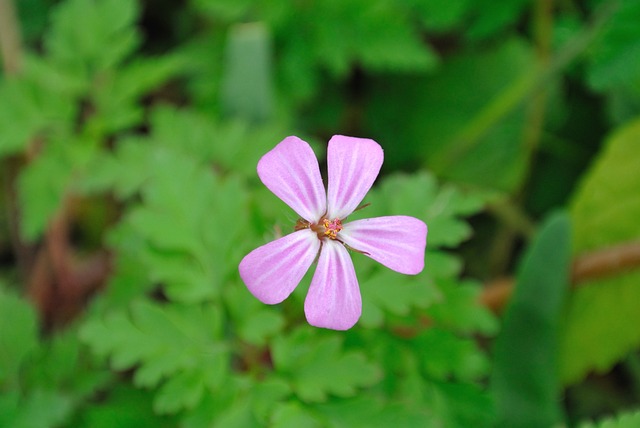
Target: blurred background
(129, 137)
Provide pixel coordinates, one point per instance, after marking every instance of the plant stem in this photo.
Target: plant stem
(588, 267)
(10, 40)
(515, 93)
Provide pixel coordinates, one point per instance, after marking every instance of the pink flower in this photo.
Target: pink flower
(273, 271)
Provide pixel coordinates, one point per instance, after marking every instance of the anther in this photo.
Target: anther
(332, 227)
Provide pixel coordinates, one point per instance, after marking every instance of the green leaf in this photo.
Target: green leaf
(40, 408)
(387, 292)
(444, 355)
(441, 207)
(614, 58)
(255, 322)
(599, 314)
(242, 402)
(43, 184)
(230, 145)
(489, 18)
(525, 380)
(91, 36)
(124, 407)
(461, 405)
(116, 96)
(60, 365)
(464, 122)
(293, 415)
(18, 339)
(317, 365)
(368, 412)
(441, 15)
(191, 221)
(621, 420)
(32, 107)
(459, 308)
(175, 347)
(378, 34)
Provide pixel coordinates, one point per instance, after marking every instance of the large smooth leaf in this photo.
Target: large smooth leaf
(525, 379)
(602, 313)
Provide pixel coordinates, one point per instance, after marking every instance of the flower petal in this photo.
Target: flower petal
(333, 300)
(273, 271)
(398, 242)
(353, 165)
(290, 170)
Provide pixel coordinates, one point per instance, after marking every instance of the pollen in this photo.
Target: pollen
(332, 227)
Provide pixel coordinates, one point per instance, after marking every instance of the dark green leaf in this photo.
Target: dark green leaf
(317, 365)
(18, 337)
(177, 347)
(525, 380)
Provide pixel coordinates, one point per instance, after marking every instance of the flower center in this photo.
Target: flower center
(324, 227)
(331, 227)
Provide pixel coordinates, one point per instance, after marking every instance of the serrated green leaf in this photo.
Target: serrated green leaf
(180, 392)
(444, 354)
(255, 322)
(90, 36)
(599, 314)
(190, 220)
(459, 308)
(293, 415)
(243, 402)
(461, 405)
(441, 15)
(18, 337)
(123, 407)
(441, 207)
(369, 412)
(42, 408)
(176, 346)
(490, 17)
(377, 34)
(265, 394)
(317, 366)
(622, 420)
(31, 108)
(43, 184)
(59, 364)
(525, 379)
(116, 95)
(388, 293)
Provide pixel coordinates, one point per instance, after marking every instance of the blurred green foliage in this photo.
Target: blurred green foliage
(129, 138)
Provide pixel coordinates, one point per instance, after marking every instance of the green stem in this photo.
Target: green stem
(519, 90)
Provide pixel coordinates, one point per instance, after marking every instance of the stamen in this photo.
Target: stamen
(362, 206)
(332, 227)
(302, 224)
(348, 247)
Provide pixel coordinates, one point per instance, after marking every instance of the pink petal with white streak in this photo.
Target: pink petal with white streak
(290, 170)
(353, 165)
(333, 300)
(398, 242)
(273, 271)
